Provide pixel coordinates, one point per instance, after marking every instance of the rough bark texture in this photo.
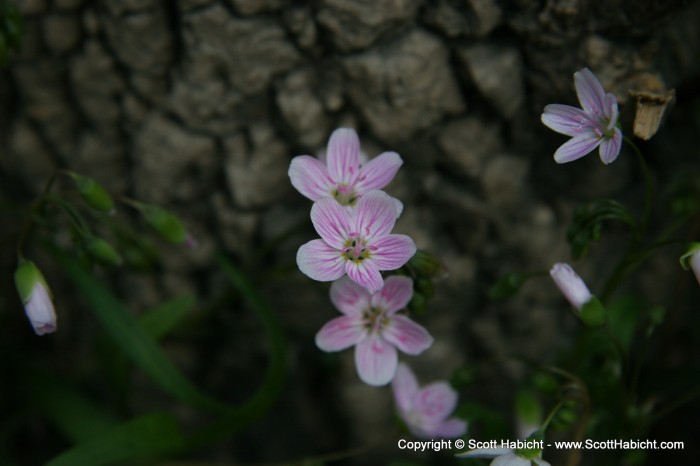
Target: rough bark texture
(199, 105)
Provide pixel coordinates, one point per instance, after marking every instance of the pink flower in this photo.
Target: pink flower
(370, 323)
(590, 127)
(343, 176)
(425, 410)
(571, 285)
(357, 242)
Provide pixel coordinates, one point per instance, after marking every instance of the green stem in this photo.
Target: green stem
(648, 185)
(39, 204)
(78, 223)
(552, 413)
(621, 270)
(272, 384)
(36, 207)
(680, 401)
(574, 457)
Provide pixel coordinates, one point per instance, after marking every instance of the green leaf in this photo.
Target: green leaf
(147, 436)
(528, 407)
(75, 415)
(162, 319)
(492, 424)
(126, 332)
(507, 286)
(587, 224)
(277, 365)
(273, 382)
(623, 317)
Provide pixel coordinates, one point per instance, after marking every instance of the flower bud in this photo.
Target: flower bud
(418, 303)
(691, 259)
(426, 265)
(425, 287)
(571, 285)
(93, 193)
(164, 223)
(36, 298)
(103, 252)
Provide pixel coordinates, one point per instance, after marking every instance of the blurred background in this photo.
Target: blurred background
(199, 106)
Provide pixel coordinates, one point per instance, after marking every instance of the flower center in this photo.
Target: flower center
(374, 319)
(609, 133)
(345, 194)
(356, 248)
(605, 128)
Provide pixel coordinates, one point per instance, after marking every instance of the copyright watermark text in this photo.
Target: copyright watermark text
(430, 445)
(529, 444)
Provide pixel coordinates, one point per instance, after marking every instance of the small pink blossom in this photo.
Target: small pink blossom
(571, 285)
(40, 311)
(425, 410)
(590, 127)
(343, 176)
(36, 297)
(355, 242)
(370, 323)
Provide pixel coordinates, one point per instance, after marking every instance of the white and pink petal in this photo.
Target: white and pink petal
(407, 335)
(376, 361)
(590, 92)
(610, 147)
(435, 402)
(577, 147)
(405, 388)
(310, 177)
(392, 251)
(343, 156)
(331, 221)
(567, 120)
(570, 284)
(375, 214)
(395, 295)
(610, 110)
(378, 172)
(319, 261)
(365, 274)
(349, 297)
(340, 333)
(450, 428)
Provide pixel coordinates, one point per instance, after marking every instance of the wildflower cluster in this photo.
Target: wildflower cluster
(89, 245)
(355, 219)
(605, 355)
